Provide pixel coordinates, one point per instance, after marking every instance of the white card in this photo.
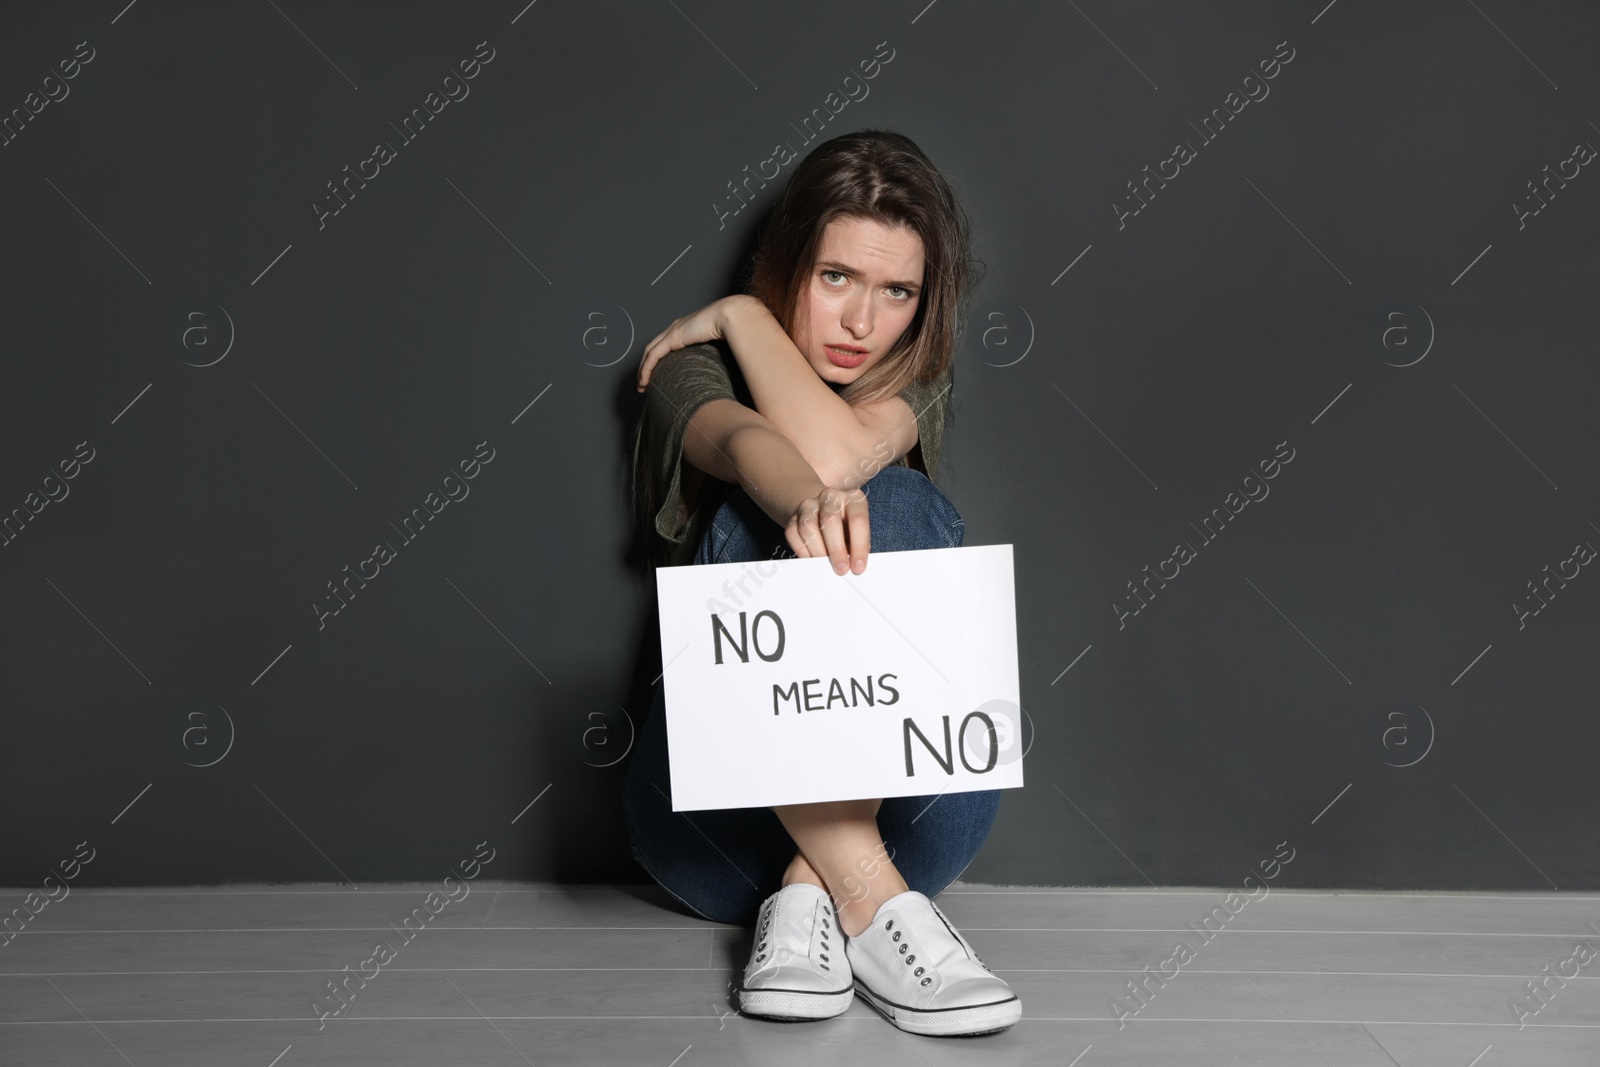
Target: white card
(832, 687)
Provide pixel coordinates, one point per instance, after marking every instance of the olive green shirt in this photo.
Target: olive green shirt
(686, 379)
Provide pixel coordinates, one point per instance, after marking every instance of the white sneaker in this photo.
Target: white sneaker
(797, 968)
(914, 967)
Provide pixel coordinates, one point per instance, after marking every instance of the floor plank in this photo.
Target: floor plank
(620, 974)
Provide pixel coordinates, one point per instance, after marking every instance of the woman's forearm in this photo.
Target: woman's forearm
(736, 444)
(772, 470)
(825, 430)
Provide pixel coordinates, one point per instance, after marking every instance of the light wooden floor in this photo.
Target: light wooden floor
(516, 973)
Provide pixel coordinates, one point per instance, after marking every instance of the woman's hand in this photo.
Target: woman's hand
(833, 523)
(710, 323)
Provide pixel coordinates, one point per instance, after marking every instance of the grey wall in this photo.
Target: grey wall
(1353, 268)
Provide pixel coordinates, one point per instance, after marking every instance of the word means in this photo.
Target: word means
(1185, 153)
(384, 954)
(749, 640)
(784, 153)
(34, 503)
(384, 552)
(834, 686)
(1578, 153)
(384, 152)
(1186, 553)
(1183, 954)
(34, 103)
(13, 924)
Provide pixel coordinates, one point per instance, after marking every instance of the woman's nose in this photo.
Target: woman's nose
(857, 317)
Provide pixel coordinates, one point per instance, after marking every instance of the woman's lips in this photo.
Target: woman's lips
(842, 357)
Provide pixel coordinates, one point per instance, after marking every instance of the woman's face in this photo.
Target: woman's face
(860, 297)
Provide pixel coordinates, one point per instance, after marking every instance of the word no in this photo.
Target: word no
(749, 640)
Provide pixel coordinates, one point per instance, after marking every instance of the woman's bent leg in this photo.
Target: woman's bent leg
(905, 510)
(932, 839)
(723, 863)
(918, 842)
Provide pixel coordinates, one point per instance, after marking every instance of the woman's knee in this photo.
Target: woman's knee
(694, 871)
(907, 511)
(936, 838)
(740, 532)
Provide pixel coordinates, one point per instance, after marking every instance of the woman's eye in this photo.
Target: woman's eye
(826, 273)
(905, 294)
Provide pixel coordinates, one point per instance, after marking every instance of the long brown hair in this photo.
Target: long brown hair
(884, 177)
(870, 174)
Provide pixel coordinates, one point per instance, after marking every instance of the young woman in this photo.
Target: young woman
(804, 418)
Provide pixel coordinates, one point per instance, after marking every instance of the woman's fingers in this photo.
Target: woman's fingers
(805, 535)
(848, 523)
(653, 352)
(805, 531)
(844, 529)
(648, 361)
(836, 535)
(860, 533)
(833, 524)
(702, 325)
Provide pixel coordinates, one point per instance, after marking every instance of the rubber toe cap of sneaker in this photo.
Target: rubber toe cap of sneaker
(797, 979)
(975, 993)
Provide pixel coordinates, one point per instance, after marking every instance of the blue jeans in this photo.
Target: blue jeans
(722, 863)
